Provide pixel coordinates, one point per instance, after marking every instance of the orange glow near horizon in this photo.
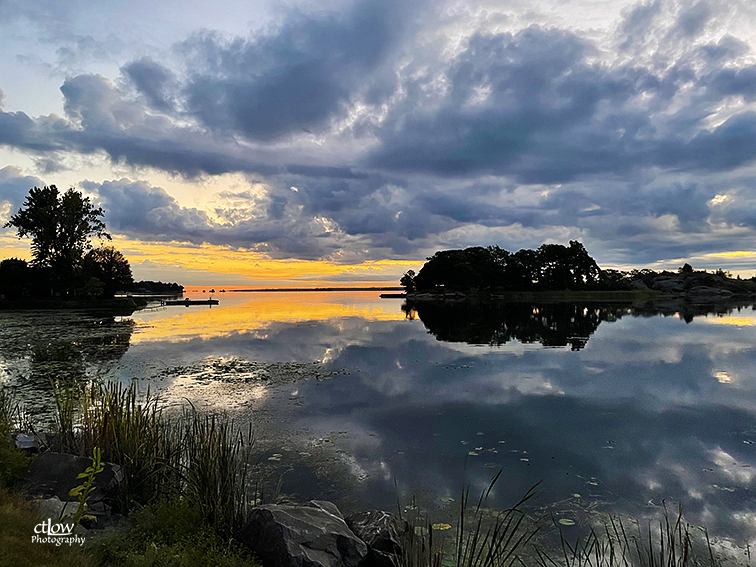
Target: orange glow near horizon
(207, 262)
(255, 266)
(734, 321)
(243, 313)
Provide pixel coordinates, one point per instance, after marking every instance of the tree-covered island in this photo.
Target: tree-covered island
(494, 272)
(65, 264)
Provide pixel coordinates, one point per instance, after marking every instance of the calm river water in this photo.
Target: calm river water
(358, 400)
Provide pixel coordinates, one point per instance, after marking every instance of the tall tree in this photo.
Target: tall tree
(61, 228)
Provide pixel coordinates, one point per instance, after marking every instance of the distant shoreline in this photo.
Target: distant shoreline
(394, 288)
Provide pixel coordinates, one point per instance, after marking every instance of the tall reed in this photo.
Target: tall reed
(672, 545)
(196, 457)
(130, 430)
(481, 539)
(214, 467)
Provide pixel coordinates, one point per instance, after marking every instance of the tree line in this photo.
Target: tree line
(64, 262)
(550, 267)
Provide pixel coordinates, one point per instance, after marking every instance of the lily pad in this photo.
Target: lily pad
(441, 526)
(567, 522)
(473, 453)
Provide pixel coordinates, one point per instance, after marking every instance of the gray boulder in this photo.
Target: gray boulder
(383, 533)
(638, 284)
(668, 284)
(315, 535)
(705, 294)
(54, 475)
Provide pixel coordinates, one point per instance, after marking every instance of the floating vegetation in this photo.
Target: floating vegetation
(239, 370)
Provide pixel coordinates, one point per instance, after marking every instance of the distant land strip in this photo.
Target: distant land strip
(322, 289)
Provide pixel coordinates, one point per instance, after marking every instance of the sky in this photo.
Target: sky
(270, 143)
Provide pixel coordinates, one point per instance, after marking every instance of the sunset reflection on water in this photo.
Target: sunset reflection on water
(244, 312)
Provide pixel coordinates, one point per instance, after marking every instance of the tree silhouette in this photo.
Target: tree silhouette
(60, 227)
(109, 266)
(408, 281)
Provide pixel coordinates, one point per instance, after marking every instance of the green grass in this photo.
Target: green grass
(17, 520)
(13, 461)
(169, 533)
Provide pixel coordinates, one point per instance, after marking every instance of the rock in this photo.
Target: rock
(55, 509)
(383, 534)
(27, 442)
(668, 284)
(302, 536)
(705, 294)
(638, 284)
(54, 475)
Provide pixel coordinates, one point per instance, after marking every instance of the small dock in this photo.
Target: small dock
(187, 302)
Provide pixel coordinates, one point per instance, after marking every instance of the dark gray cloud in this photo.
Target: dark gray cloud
(298, 78)
(532, 106)
(692, 21)
(14, 186)
(153, 81)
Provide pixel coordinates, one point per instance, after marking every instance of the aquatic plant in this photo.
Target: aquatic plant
(13, 461)
(672, 545)
(481, 539)
(199, 457)
(214, 466)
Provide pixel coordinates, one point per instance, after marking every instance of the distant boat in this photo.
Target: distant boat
(212, 290)
(187, 302)
(222, 291)
(203, 291)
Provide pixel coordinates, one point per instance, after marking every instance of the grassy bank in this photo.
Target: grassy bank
(183, 486)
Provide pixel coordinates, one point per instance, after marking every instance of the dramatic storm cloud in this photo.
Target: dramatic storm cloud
(377, 130)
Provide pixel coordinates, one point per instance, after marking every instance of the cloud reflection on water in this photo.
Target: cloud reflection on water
(650, 409)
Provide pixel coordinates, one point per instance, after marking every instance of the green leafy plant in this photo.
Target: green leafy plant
(87, 487)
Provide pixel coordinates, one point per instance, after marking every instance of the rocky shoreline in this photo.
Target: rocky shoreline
(314, 534)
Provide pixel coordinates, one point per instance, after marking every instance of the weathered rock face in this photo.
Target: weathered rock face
(302, 536)
(383, 534)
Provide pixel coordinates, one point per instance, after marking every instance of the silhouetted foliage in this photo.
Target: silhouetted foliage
(14, 278)
(109, 266)
(60, 227)
(149, 286)
(550, 267)
(408, 281)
